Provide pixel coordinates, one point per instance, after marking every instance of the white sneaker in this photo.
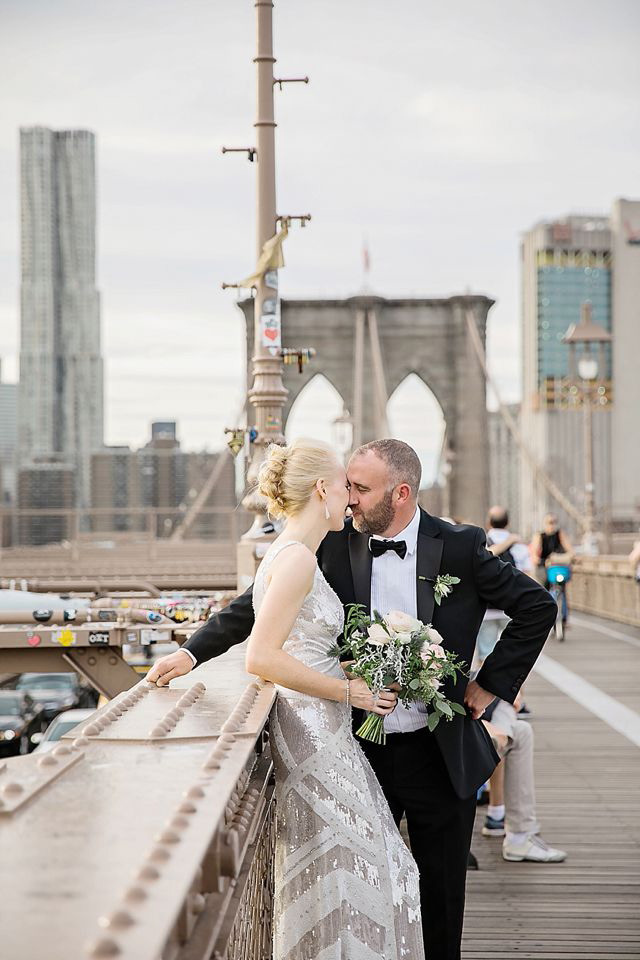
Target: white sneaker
(533, 848)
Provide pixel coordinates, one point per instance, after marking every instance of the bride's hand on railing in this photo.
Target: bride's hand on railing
(361, 696)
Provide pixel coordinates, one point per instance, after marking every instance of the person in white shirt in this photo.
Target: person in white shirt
(512, 806)
(509, 548)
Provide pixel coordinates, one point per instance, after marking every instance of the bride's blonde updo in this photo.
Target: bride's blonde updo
(289, 474)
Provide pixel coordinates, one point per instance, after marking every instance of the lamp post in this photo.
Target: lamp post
(586, 341)
(343, 434)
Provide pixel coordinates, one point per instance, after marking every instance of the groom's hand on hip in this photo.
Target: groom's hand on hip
(477, 699)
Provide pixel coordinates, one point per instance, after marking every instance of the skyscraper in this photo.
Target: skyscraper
(565, 263)
(61, 371)
(625, 468)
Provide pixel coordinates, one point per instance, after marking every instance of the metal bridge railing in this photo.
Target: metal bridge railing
(606, 586)
(149, 832)
(47, 527)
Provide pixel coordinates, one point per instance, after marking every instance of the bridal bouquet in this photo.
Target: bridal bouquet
(398, 649)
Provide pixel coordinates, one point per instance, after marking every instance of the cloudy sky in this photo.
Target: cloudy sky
(438, 132)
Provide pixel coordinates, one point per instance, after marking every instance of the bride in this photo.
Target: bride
(346, 886)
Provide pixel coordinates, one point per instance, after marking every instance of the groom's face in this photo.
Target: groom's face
(371, 493)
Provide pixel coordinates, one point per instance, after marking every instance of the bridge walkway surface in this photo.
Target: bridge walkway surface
(585, 699)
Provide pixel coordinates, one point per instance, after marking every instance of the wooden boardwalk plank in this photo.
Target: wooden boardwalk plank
(588, 801)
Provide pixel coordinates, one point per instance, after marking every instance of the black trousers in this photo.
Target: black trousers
(416, 784)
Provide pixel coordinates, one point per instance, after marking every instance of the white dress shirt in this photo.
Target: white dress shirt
(393, 587)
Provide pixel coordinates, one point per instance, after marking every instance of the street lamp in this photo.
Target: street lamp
(343, 433)
(589, 339)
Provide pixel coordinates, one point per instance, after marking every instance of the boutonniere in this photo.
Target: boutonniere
(442, 585)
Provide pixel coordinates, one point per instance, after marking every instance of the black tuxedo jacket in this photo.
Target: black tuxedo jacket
(485, 581)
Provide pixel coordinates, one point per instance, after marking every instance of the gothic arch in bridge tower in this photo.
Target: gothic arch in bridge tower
(317, 401)
(415, 415)
(366, 346)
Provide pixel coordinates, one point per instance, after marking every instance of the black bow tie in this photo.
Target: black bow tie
(378, 547)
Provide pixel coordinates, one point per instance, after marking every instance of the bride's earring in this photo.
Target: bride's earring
(327, 515)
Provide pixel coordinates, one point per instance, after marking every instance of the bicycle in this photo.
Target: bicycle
(558, 575)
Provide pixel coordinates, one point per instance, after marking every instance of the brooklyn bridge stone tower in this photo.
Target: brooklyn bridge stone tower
(367, 345)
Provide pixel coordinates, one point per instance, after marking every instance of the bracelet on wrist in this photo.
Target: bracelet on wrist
(348, 696)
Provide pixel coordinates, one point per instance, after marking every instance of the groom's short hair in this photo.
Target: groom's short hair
(402, 460)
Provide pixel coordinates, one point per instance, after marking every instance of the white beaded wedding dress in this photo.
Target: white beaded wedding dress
(346, 885)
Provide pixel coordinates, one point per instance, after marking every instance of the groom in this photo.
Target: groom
(388, 558)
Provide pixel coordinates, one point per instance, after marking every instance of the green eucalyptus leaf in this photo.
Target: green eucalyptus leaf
(432, 722)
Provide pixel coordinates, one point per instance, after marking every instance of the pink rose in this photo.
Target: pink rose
(437, 651)
(430, 650)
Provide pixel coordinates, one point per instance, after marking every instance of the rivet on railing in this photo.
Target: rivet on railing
(194, 791)
(148, 872)
(47, 760)
(135, 895)
(168, 836)
(12, 787)
(118, 920)
(159, 854)
(105, 947)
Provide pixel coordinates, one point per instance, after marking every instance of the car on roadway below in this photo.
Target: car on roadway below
(63, 723)
(21, 719)
(56, 692)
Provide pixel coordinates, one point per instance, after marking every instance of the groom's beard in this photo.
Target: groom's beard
(379, 517)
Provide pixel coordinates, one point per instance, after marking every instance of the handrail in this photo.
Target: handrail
(162, 808)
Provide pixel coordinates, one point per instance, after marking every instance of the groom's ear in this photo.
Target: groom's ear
(404, 492)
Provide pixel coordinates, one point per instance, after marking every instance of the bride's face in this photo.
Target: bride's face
(337, 500)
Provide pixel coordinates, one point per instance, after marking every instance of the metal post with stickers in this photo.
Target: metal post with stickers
(268, 393)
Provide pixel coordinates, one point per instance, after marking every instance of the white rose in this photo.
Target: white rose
(403, 637)
(401, 622)
(378, 635)
(435, 637)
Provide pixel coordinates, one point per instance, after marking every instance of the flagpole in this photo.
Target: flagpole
(268, 394)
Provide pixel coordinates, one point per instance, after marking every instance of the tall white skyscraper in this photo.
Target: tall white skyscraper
(61, 370)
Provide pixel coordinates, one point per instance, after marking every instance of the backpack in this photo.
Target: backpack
(507, 556)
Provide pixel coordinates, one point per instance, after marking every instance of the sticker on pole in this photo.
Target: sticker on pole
(271, 279)
(270, 333)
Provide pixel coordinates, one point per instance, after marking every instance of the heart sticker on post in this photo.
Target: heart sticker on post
(33, 639)
(271, 334)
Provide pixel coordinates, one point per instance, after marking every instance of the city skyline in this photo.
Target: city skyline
(469, 158)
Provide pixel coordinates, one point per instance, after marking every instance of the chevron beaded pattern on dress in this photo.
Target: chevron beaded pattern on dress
(346, 886)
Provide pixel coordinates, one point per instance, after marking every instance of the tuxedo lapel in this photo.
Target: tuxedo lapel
(361, 561)
(429, 555)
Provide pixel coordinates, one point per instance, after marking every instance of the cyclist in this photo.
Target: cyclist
(552, 545)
